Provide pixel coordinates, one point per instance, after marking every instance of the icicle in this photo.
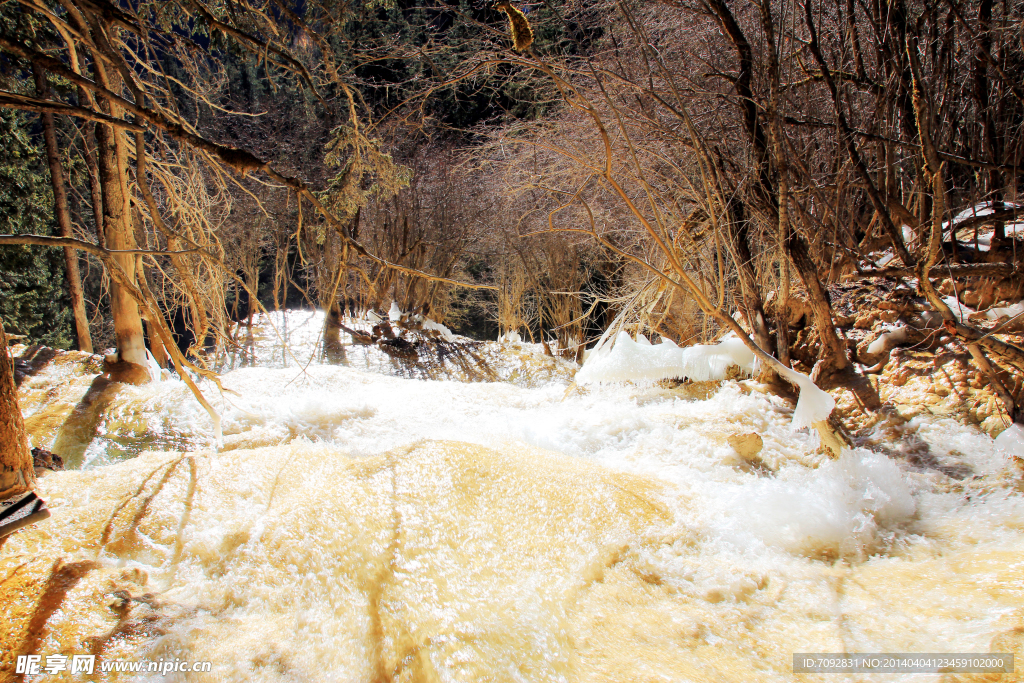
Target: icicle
(814, 405)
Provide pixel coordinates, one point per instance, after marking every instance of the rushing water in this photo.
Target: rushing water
(362, 523)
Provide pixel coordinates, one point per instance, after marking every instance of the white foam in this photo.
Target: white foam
(488, 561)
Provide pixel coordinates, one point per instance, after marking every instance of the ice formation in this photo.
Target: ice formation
(814, 405)
(1011, 441)
(628, 360)
(510, 337)
(446, 334)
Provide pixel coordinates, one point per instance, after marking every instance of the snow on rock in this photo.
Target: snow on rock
(888, 340)
(446, 334)
(1006, 311)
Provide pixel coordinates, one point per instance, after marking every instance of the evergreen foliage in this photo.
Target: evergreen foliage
(33, 302)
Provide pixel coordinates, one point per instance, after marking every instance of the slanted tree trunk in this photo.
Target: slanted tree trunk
(60, 206)
(16, 473)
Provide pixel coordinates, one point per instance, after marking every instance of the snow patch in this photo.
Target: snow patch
(1006, 311)
(888, 340)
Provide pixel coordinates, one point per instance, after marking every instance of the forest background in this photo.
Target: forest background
(677, 168)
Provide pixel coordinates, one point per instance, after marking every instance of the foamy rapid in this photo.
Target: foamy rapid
(361, 525)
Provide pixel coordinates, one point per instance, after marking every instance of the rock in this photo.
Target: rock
(1011, 641)
(843, 320)
(747, 445)
(889, 316)
(125, 372)
(866, 320)
(970, 297)
(45, 460)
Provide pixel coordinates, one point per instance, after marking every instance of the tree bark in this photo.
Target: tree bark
(16, 473)
(333, 347)
(60, 206)
(833, 351)
(112, 158)
(95, 188)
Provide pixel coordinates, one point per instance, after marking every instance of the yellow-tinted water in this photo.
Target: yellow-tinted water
(361, 527)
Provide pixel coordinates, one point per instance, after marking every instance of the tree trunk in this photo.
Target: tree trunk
(112, 159)
(753, 303)
(332, 335)
(16, 473)
(95, 187)
(60, 206)
(833, 351)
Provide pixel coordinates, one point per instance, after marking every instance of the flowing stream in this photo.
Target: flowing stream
(376, 522)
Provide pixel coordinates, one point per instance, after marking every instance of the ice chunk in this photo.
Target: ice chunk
(627, 360)
(640, 360)
(153, 367)
(706, 362)
(1011, 441)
